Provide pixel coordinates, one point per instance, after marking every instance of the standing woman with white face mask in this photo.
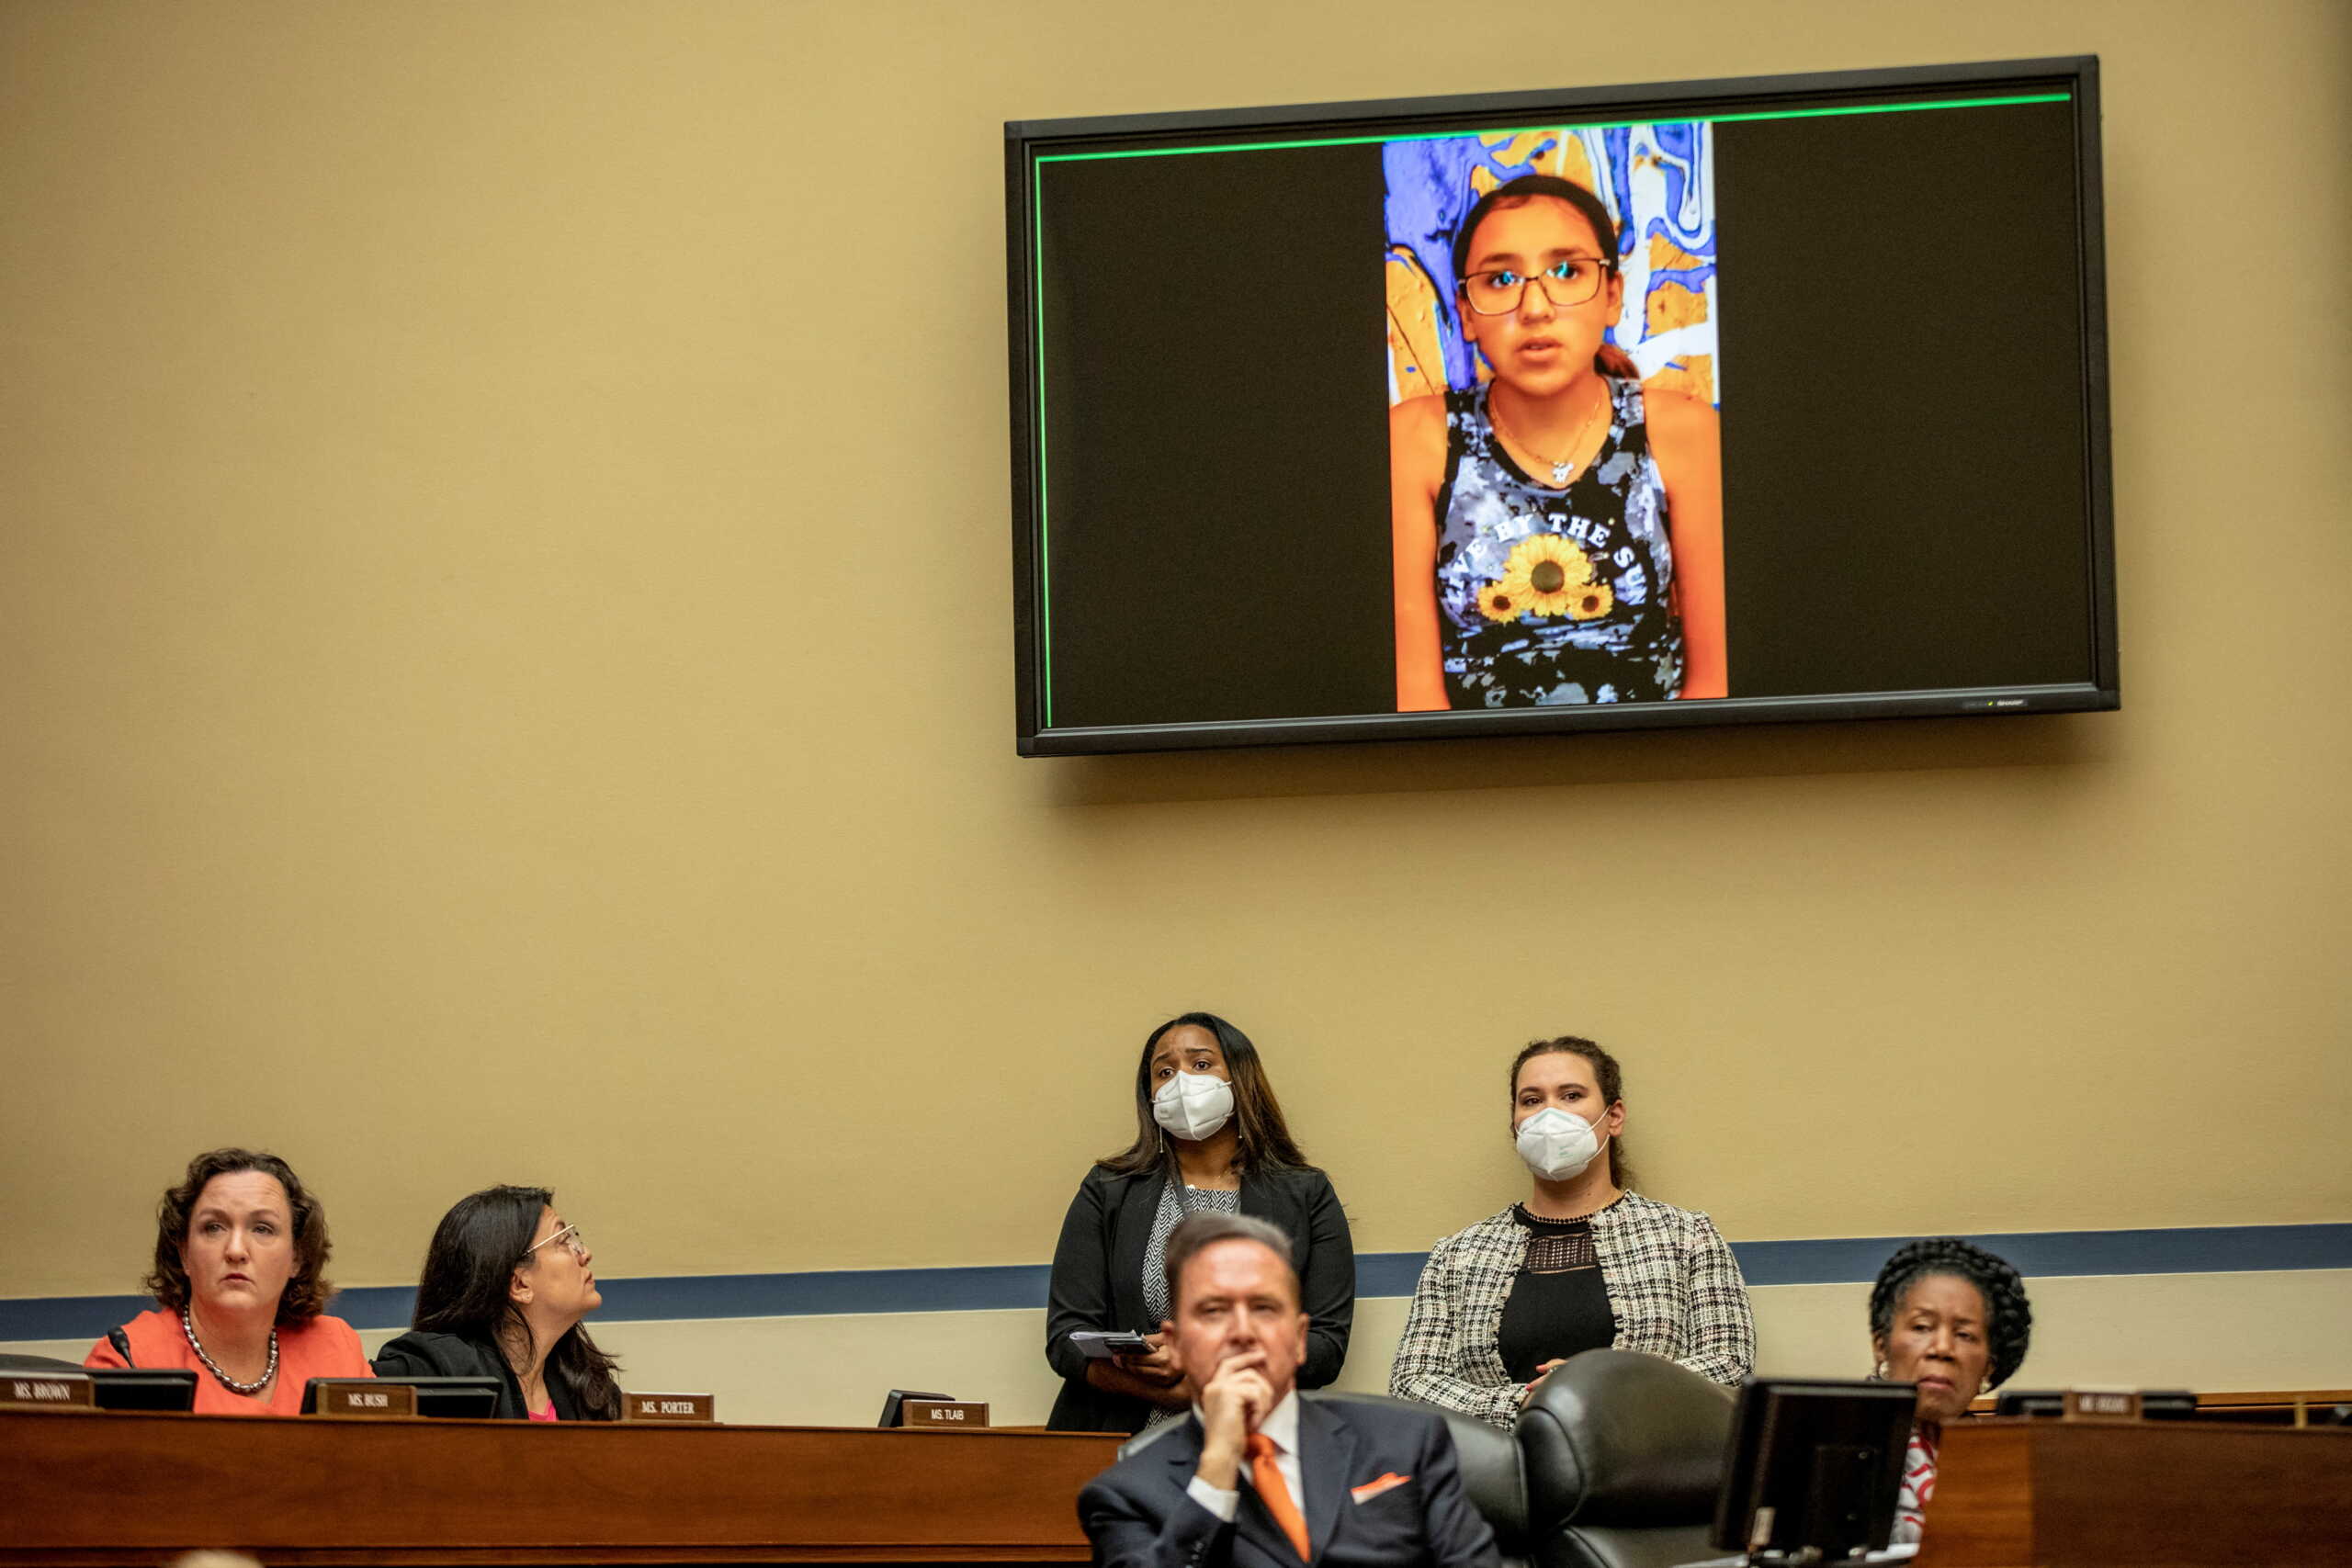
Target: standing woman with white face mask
(1209, 1137)
(1581, 1264)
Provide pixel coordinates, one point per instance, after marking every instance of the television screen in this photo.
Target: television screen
(1699, 403)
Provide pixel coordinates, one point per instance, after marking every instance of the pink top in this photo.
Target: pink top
(546, 1414)
(323, 1348)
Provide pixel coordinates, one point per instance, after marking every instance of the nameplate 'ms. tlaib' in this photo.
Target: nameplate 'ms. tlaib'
(944, 1415)
(46, 1391)
(668, 1407)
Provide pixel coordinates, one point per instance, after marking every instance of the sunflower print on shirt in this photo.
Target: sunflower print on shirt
(1548, 596)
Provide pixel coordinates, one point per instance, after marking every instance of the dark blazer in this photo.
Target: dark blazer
(1138, 1514)
(422, 1353)
(1098, 1278)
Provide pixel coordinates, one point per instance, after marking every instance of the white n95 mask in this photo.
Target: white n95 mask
(1556, 1143)
(1192, 1105)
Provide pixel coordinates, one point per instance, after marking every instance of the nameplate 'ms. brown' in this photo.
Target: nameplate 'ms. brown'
(46, 1390)
(669, 1408)
(367, 1397)
(944, 1415)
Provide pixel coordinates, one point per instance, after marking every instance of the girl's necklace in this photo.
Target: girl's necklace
(187, 1327)
(1561, 467)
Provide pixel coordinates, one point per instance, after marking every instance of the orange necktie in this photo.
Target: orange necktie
(1267, 1477)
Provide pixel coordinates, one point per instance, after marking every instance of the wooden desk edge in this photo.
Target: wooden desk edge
(75, 1520)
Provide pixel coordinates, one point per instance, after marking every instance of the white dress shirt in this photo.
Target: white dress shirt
(1282, 1425)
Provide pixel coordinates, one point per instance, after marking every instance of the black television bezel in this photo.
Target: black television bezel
(1026, 140)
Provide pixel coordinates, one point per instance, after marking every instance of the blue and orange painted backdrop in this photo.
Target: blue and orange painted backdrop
(1657, 180)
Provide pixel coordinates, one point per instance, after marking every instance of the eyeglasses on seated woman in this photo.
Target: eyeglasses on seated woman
(506, 1283)
(239, 1282)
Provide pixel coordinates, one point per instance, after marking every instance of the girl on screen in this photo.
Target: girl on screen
(1557, 531)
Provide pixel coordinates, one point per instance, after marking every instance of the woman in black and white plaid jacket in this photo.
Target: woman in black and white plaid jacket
(1581, 1264)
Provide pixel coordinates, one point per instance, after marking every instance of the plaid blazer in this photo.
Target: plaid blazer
(1671, 1280)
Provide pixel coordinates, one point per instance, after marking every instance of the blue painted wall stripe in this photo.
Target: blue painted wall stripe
(1838, 1261)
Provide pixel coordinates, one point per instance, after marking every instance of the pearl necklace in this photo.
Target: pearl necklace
(187, 1327)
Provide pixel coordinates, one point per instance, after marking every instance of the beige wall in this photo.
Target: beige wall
(443, 483)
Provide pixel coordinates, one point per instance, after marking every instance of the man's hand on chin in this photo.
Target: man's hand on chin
(1232, 1404)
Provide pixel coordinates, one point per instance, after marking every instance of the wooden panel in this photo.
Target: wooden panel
(1982, 1514)
(2013, 1494)
(101, 1489)
(109, 1491)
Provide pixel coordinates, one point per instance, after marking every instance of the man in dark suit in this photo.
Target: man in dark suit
(1255, 1478)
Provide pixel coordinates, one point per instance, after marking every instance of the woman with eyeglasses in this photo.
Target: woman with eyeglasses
(1557, 532)
(1210, 1138)
(240, 1252)
(505, 1285)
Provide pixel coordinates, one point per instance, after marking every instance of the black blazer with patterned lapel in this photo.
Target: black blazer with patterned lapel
(1383, 1490)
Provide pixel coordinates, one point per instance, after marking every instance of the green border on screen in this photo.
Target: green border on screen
(1037, 264)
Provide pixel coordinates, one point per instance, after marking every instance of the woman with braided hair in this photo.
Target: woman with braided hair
(1951, 1317)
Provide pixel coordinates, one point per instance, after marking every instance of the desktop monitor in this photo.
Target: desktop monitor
(1813, 1466)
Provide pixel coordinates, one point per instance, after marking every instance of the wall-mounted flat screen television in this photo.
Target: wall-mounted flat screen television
(1697, 402)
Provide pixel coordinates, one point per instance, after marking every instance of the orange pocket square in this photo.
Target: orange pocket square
(1371, 1489)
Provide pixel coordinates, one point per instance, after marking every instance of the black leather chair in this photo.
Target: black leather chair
(1623, 1455)
(10, 1362)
